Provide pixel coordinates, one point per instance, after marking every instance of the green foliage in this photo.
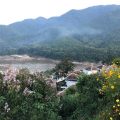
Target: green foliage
(30, 99)
(74, 50)
(25, 96)
(85, 102)
(63, 68)
(71, 90)
(116, 61)
(68, 104)
(96, 97)
(89, 99)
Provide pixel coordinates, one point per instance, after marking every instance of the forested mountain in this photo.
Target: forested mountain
(88, 34)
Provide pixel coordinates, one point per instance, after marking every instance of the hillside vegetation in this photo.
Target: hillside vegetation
(88, 34)
(32, 97)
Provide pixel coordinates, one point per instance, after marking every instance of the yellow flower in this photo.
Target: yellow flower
(111, 73)
(117, 100)
(111, 118)
(114, 106)
(118, 105)
(118, 76)
(103, 87)
(112, 87)
(97, 79)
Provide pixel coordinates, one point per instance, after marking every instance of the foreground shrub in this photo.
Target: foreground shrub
(25, 96)
(111, 88)
(84, 101)
(116, 61)
(96, 97)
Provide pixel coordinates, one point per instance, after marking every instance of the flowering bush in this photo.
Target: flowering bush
(25, 96)
(97, 97)
(111, 89)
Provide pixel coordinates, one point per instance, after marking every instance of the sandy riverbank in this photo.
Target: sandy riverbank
(35, 64)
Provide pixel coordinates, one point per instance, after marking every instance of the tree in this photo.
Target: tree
(63, 68)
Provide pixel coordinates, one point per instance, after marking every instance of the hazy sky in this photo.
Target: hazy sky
(16, 10)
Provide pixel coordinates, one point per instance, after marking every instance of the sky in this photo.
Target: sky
(17, 10)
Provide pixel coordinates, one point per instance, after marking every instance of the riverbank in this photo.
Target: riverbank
(35, 64)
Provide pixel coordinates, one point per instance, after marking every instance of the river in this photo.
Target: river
(34, 64)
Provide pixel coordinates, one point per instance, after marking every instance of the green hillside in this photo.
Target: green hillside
(88, 34)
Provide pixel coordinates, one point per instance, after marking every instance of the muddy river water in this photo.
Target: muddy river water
(34, 64)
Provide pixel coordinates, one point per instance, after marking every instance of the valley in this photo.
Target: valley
(34, 64)
(91, 34)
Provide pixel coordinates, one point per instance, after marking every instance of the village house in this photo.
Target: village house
(90, 70)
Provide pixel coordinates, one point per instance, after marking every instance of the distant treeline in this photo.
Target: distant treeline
(78, 54)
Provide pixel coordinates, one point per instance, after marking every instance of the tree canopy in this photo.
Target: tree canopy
(64, 67)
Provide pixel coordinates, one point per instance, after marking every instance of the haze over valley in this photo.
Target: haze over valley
(91, 34)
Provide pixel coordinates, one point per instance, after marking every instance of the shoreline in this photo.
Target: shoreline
(35, 63)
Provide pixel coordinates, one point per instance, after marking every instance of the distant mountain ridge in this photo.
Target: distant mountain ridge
(94, 27)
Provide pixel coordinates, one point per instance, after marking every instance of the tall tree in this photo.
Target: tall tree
(64, 67)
